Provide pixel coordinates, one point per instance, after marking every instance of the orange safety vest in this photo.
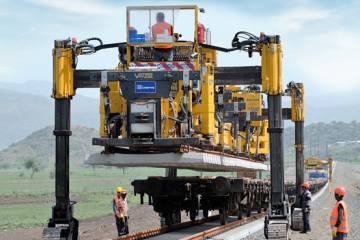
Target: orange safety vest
(343, 228)
(159, 28)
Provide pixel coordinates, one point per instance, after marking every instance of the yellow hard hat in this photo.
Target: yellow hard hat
(119, 189)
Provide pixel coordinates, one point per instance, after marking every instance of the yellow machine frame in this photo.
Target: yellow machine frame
(203, 120)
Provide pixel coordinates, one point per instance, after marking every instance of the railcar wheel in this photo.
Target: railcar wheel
(223, 216)
(205, 213)
(240, 211)
(193, 214)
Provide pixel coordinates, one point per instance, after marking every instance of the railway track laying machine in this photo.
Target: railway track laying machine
(169, 104)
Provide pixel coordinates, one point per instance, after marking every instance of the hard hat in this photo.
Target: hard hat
(119, 189)
(306, 185)
(340, 190)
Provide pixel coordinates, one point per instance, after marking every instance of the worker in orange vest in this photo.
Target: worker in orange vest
(338, 219)
(163, 52)
(120, 211)
(305, 201)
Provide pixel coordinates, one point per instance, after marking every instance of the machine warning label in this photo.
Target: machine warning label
(145, 87)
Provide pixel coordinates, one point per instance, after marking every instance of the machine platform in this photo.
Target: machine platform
(201, 161)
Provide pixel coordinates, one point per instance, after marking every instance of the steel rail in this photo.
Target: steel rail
(224, 228)
(162, 230)
(205, 234)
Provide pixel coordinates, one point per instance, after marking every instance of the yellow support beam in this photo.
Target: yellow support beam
(297, 103)
(63, 78)
(271, 68)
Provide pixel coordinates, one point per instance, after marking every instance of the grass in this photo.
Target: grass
(26, 203)
(31, 199)
(23, 215)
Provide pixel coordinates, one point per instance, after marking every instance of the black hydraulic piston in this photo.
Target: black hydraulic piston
(276, 150)
(62, 133)
(299, 148)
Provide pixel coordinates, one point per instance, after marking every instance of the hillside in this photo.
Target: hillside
(23, 113)
(27, 107)
(337, 139)
(41, 146)
(342, 140)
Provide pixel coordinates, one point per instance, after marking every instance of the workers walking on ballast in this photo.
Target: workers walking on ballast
(305, 202)
(120, 211)
(338, 218)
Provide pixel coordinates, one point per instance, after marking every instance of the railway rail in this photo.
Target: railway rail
(223, 228)
(196, 236)
(212, 231)
(162, 230)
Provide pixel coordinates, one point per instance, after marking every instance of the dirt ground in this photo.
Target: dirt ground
(348, 176)
(143, 217)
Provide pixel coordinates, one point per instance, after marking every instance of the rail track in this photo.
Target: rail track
(151, 233)
(210, 230)
(162, 230)
(223, 228)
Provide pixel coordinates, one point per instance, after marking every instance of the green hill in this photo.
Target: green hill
(40, 145)
(23, 113)
(340, 140)
(27, 107)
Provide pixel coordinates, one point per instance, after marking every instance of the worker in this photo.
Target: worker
(338, 218)
(161, 29)
(120, 211)
(305, 201)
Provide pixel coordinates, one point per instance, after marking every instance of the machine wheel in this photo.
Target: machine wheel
(205, 213)
(176, 217)
(248, 204)
(240, 211)
(248, 209)
(223, 216)
(193, 214)
(259, 208)
(162, 222)
(170, 218)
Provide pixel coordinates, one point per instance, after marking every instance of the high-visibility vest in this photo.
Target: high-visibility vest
(116, 206)
(120, 207)
(162, 28)
(343, 227)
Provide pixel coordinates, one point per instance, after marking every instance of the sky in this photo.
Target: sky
(320, 38)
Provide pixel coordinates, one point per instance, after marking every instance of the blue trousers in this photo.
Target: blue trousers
(340, 236)
(306, 220)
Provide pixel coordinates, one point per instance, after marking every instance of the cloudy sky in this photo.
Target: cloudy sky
(320, 38)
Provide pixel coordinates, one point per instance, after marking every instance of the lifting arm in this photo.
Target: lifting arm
(296, 91)
(269, 47)
(277, 221)
(62, 223)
